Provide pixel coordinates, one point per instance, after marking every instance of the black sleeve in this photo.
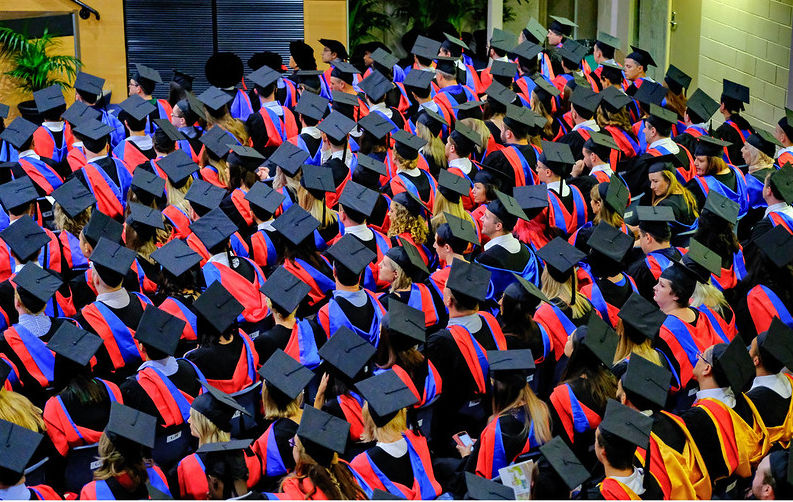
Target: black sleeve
(760, 228)
(696, 191)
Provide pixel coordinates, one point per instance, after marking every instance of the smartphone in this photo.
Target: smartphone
(463, 439)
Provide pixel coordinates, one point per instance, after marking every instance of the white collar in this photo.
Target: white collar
(221, 258)
(380, 107)
(266, 225)
(590, 124)
(311, 131)
(667, 142)
(555, 186)
(779, 383)
(396, 449)
(28, 153)
(506, 241)
(463, 164)
(430, 105)
(115, 299)
(471, 322)
(142, 142)
(723, 394)
(274, 106)
(414, 172)
(702, 125)
(602, 168)
(98, 157)
(635, 481)
(361, 231)
(783, 150)
(16, 492)
(779, 207)
(53, 126)
(338, 154)
(167, 366)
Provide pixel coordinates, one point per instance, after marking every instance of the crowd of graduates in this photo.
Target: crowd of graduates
(380, 281)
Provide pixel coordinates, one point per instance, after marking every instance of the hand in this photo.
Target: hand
(319, 399)
(263, 172)
(578, 168)
(464, 451)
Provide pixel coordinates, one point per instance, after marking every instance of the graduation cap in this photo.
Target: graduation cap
(529, 51)
(372, 164)
(519, 115)
(536, 30)
(722, 207)
(433, 120)
(322, 434)
(608, 40)
(384, 58)
(479, 488)
(420, 79)
(131, 424)
(506, 209)
(500, 94)
(296, 224)
(776, 244)
(169, 129)
(79, 112)
(285, 290)
(502, 40)
(510, 366)
(610, 241)
(359, 198)
(160, 330)
(782, 180)
(506, 69)
(73, 197)
(611, 71)
(264, 76)
(702, 105)
(465, 137)
(650, 93)
(344, 98)
(376, 85)
(148, 182)
(705, 258)
(213, 228)
(137, 107)
(763, 141)
(351, 253)
(573, 52)
(113, 256)
(289, 157)
(218, 141)
(560, 257)
(677, 79)
(317, 180)
(214, 98)
(561, 25)
(225, 446)
(18, 448)
(531, 197)
(585, 98)
(642, 315)
(196, 106)
(178, 165)
(386, 394)
(264, 197)
(337, 125)
(601, 340)
(778, 342)
(600, 143)
(18, 132)
(453, 186)
(49, 98)
(734, 362)
(664, 115)
(176, 257)
(564, 462)
(282, 372)
(92, 129)
(407, 145)
(376, 125)
(205, 194)
(614, 98)
(406, 255)
(426, 48)
(406, 321)
(626, 423)
(334, 46)
(25, 238)
(348, 352)
(17, 192)
(709, 146)
(146, 73)
(469, 109)
(183, 79)
(4, 109)
(446, 65)
(655, 219)
(735, 91)
(469, 279)
(558, 157)
(341, 68)
(37, 281)
(74, 343)
(312, 105)
(218, 407)
(642, 57)
(456, 41)
(647, 379)
(218, 307)
(90, 84)
(101, 225)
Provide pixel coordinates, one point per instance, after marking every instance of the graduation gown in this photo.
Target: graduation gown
(363, 321)
(775, 411)
(228, 367)
(735, 130)
(575, 417)
(274, 451)
(646, 271)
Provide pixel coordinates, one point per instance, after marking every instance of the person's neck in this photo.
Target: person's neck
(267, 99)
(677, 311)
(657, 246)
(772, 200)
(578, 119)
(497, 233)
(727, 115)
(289, 322)
(147, 97)
(455, 313)
(423, 100)
(104, 289)
(390, 436)
(137, 133)
(342, 287)
(452, 156)
(707, 383)
(334, 148)
(515, 141)
(639, 77)
(443, 83)
(612, 472)
(89, 155)
(761, 371)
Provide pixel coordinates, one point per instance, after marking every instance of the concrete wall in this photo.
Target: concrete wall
(748, 41)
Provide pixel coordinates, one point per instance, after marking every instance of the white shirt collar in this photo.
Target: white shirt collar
(338, 155)
(221, 258)
(506, 241)
(380, 107)
(602, 168)
(142, 142)
(16, 492)
(635, 481)
(167, 366)
(702, 125)
(463, 164)
(590, 124)
(667, 142)
(266, 225)
(554, 185)
(311, 131)
(779, 207)
(723, 394)
(115, 299)
(98, 157)
(396, 449)
(783, 150)
(412, 172)
(779, 383)
(28, 153)
(471, 322)
(429, 105)
(274, 106)
(361, 231)
(53, 126)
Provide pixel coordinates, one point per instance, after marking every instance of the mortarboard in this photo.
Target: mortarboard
(176, 257)
(502, 40)
(425, 48)
(341, 68)
(225, 446)
(218, 407)
(79, 112)
(561, 25)
(650, 93)
(611, 71)
(183, 79)
(195, 106)
(264, 197)
(642, 315)
(213, 228)
(296, 224)
(704, 257)
(702, 105)
(359, 198)
(218, 141)
(520, 115)
(432, 120)
(782, 180)
(735, 91)
(407, 256)
(420, 79)
(531, 196)
(663, 114)
(289, 157)
(25, 238)
(344, 98)
(677, 79)
(479, 488)
(608, 40)
(285, 290)
(526, 50)
(736, 364)
(75, 344)
(148, 182)
(469, 279)
(37, 281)
(463, 133)
(113, 256)
(218, 307)
(350, 252)
(446, 65)
(506, 209)
(408, 145)
(317, 180)
(722, 207)
(336, 125)
(160, 330)
(778, 342)
(284, 373)
(101, 225)
(372, 164)
(500, 94)
(453, 186)
(386, 394)
(614, 98)
(504, 365)
(322, 434)
(610, 241)
(17, 192)
(132, 424)
(334, 46)
(573, 52)
(264, 76)
(4, 109)
(558, 157)
(647, 379)
(604, 141)
(90, 84)
(564, 462)
(763, 141)
(626, 423)
(18, 132)
(147, 73)
(19, 446)
(169, 129)
(585, 98)
(376, 85)
(214, 98)
(560, 257)
(506, 69)
(92, 129)
(406, 321)
(312, 105)
(456, 41)
(137, 107)
(650, 217)
(73, 197)
(49, 98)
(177, 166)
(536, 30)
(376, 125)
(776, 244)
(205, 194)
(384, 58)
(641, 56)
(709, 146)
(347, 352)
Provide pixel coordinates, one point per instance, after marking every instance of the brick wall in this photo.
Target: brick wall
(748, 41)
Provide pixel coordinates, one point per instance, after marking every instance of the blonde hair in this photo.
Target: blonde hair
(175, 195)
(709, 296)
(72, 225)
(676, 188)
(758, 158)
(272, 410)
(403, 221)
(207, 431)
(402, 280)
(284, 180)
(676, 102)
(113, 463)
(228, 123)
(316, 207)
(606, 214)
(434, 148)
(372, 432)
(403, 164)
(443, 205)
(626, 347)
(19, 410)
(620, 119)
(564, 291)
(715, 165)
(536, 410)
(481, 129)
(537, 106)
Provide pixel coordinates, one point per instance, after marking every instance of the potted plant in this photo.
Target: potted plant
(33, 67)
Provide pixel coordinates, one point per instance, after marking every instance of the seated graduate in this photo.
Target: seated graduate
(225, 471)
(654, 241)
(453, 239)
(82, 283)
(21, 134)
(264, 248)
(72, 210)
(771, 479)
(611, 288)
(15, 455)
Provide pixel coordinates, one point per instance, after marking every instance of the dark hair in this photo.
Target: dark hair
(356, 216)
(132, 123)
(346, 276)
(267, 90)
(147, 86)
(163, 143)
(608, 51)
(664, 128)
(94, 145)
(445, 236)
(767, 359)
(152, 353)
(599, 382)
(54, 114)
(583, 113)
(463, 301)
(176, 93)
(420, 93)
(718, 236)
(619, 452)
(111, 278)
(638, 400)
(30, 302)
(88, 97)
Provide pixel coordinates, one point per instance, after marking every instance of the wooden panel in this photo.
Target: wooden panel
(324, 19)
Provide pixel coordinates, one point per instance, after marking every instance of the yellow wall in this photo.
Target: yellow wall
(324, 19)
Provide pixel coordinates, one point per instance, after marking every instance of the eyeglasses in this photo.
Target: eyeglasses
(701, 355)
(133, 84)
(292, 441)
(174, 115)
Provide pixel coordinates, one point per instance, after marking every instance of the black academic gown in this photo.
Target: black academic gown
(644, 278)
(728, 133)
